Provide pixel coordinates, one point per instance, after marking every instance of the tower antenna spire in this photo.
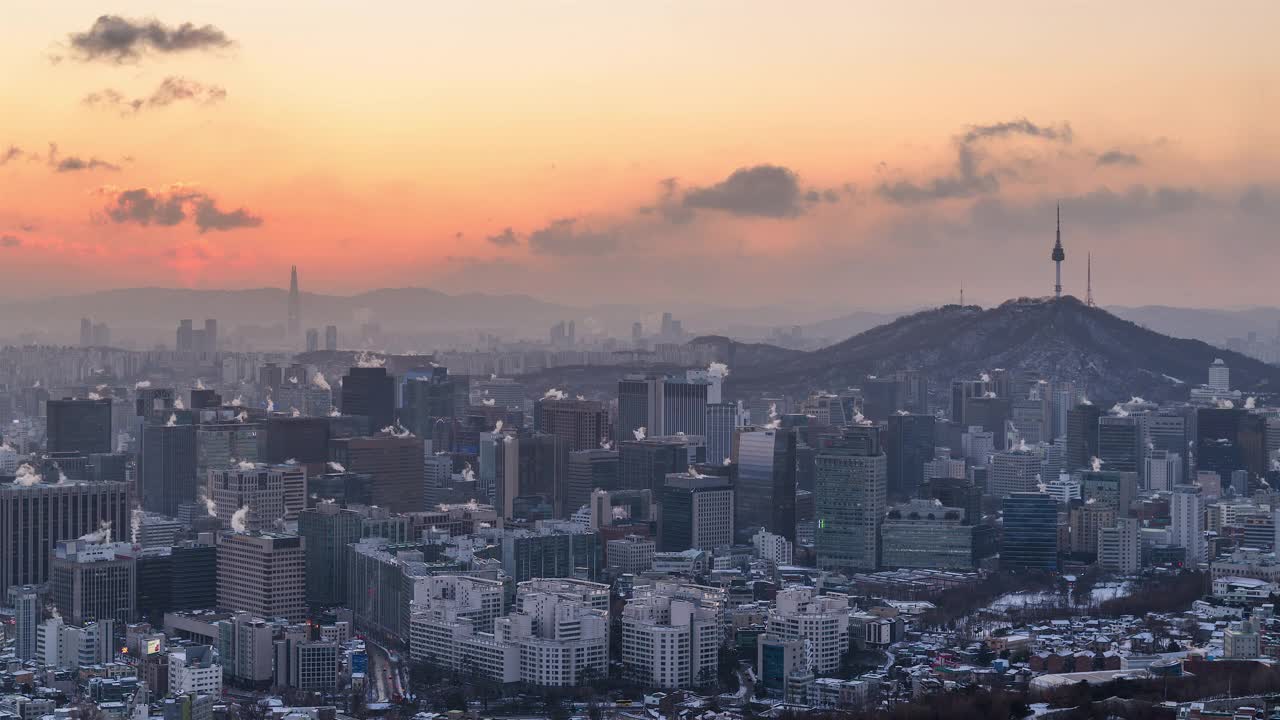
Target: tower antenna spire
(1058, 256)
(1088, 298)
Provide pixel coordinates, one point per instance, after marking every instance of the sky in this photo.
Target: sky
(826, 154)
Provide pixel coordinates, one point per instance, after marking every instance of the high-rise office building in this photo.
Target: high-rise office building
(79, 426)
(722, 420)
(1120, 443)
(661, 405)
(393, 464)
(86, 332)
(25, 601)
(1030, 532)
(92, 580)
(991, 414)
(33, 518)
(764, 461)
(326, 530)
(219, 443)
(167, 467)
(590, 470)
(850, 490)
(313, 339)
(1186, 526)
(1082, 436)
(175, 578)
(428, 398)
(1220, 376)
(264, 574)
(1017, 470)
(908, 446)
(696, 512)
(371, 392)
(331, 337)
(249, 497)
(645, 464)
(581, 424)
(1231, 439)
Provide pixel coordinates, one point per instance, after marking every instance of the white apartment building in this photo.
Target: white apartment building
(557, 635)
(670, 642)
(771, 548)
(822, 621)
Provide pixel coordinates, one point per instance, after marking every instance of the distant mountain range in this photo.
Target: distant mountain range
(153, 313)
(150, 315)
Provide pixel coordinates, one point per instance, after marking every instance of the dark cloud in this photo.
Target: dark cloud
(72, 163)
(565, 237)
(167, 208)
(819, 196)
(1118, 157)
(970, 178)
(760, 191)
(28, 227)
(120, 40)
(506, 238)
(10, 241)
(210, 217)
(172, 89)
(13, 152)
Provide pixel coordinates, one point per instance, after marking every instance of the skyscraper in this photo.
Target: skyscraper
(393, 464)
(1120, 443)
(589, 470)
(696, 512)
(850, 500)
(428, 397)
(661, 405)
(1186, 526)
(765, 464)
(91, 581)
(167, 467)
(581, 424)
(908, 446)
(79, 426)
(263, 574)
(330, 337)
(33, 518)
(25, 601)
(295, 306)
(1030, 532)
(370, 391)
(1082, 436)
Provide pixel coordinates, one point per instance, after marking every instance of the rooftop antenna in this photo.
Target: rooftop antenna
(1088, 297)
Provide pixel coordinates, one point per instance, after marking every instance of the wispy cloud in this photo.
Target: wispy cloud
(171, 90)
(970, 177)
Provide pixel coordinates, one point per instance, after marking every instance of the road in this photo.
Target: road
(385, 681)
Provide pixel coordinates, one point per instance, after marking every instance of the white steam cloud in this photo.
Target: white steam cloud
(240, 520)
(319, 381)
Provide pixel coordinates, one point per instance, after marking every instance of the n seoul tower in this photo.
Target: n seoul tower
(1058, 256)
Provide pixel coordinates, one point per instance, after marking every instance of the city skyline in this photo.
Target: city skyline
(575, 153)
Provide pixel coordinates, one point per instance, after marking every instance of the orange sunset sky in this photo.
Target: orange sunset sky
(834, 154)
